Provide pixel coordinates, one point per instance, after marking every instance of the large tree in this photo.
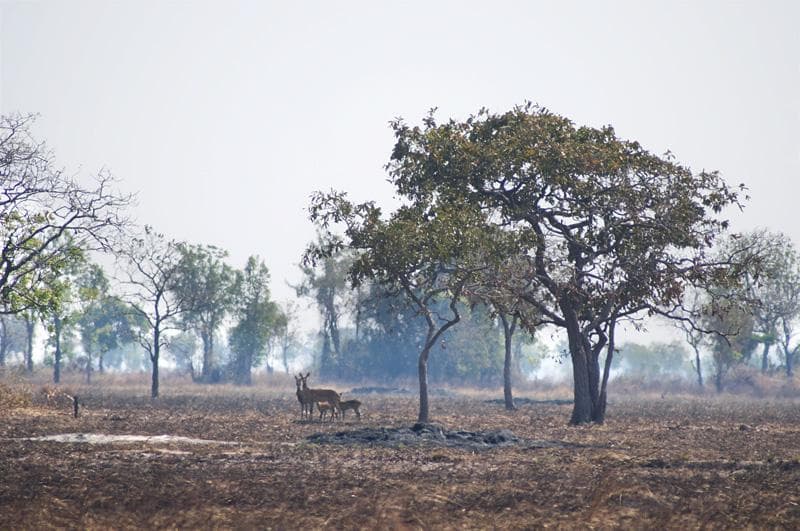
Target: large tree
(326, 282)
(44, 213)
(613, 232)
(207, 285)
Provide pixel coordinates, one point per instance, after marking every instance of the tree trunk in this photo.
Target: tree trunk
(57, 357)
(325, 361)
(583, 404)
(88, 368)
(508, 333)
(697, 366)
(765, 357)
(423, 384)
(243, 363)
(593, 353)
(248, 367)
(208, 362)
(29, 328)
(3, 341)
(790, 363)
(154, 360)
(600, 410)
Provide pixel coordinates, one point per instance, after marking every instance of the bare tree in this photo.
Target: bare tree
(44, 213)
(151, 265)
(773, 288)
(695, 337)
(287, 333)
(789, 352)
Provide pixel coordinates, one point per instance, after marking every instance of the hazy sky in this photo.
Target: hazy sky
(225, 116)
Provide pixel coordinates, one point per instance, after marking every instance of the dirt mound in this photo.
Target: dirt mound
(430, 435)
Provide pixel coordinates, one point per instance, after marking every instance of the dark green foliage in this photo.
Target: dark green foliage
(256, 318)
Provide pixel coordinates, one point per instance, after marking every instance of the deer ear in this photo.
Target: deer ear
(308, 374)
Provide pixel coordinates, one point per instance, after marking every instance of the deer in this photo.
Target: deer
(320, 395)
(344, 405)
(325, 407)
(306, 405)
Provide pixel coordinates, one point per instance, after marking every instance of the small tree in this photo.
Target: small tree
(67, 296)
(12, 336)
(497, 291)
(785, 340)
(428, 253)
(286, 332)
(107, 324)
(326, 282)
(695, 336)
(256, 316)
(207, 285)
(30, 319)
(150, 267)
(732, 338)
(183, 347)
(774, 289)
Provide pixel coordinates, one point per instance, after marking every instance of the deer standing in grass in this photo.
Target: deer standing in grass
(321, 395)
(306, 405)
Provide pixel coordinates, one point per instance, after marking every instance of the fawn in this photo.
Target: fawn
(350, 404)
(324, 408)
(320, 395)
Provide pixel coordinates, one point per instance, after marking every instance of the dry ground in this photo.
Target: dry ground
(673, 462)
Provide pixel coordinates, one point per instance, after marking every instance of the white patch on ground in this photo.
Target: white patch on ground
(103, 438)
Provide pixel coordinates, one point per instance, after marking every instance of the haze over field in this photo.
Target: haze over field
(225, 116)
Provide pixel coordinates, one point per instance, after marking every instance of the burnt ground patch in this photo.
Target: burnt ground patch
(657, 463)
(432, 434)
(532, 401)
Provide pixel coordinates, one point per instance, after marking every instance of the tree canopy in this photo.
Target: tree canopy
(44, 215)
(603, 230)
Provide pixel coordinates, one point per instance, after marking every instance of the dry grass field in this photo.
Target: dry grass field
(678, 462)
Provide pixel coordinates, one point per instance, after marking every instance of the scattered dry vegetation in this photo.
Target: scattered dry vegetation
(680, 461)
